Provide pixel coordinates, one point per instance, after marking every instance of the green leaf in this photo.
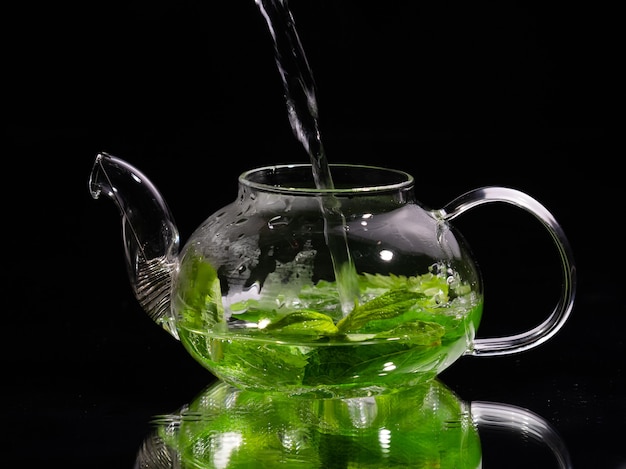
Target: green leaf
(304, 322)
(201, 291)
(416, 332)
(386, 306)
(388, 282)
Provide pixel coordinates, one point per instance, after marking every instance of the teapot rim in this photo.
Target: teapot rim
(395, 179)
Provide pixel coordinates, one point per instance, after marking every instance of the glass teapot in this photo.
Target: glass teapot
(344, 292)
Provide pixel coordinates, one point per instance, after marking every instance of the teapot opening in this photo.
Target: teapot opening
(346, 178)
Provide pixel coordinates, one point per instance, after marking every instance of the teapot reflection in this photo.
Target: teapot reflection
(423, 427)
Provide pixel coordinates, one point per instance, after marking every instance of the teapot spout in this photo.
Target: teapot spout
(150, 236)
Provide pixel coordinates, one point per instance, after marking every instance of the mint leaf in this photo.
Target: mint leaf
(304, 322)
(388, 305)
(416, 332)
(200, 292)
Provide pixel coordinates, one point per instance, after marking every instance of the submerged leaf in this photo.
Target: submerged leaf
(386, 306)
(416, 332)
(304, 322)
(201, 292)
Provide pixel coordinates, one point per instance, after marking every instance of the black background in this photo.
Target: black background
(461, 96)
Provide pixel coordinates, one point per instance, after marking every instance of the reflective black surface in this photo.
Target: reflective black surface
(426, 425)
(515, 96)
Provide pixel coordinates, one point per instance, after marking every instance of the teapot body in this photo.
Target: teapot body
(351, 290)
(256, 299)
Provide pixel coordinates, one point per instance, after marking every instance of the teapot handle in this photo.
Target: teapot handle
(549, 327)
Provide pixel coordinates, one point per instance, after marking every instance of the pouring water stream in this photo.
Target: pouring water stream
(301, 101)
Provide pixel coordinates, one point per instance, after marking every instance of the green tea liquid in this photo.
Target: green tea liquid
(329, 367)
